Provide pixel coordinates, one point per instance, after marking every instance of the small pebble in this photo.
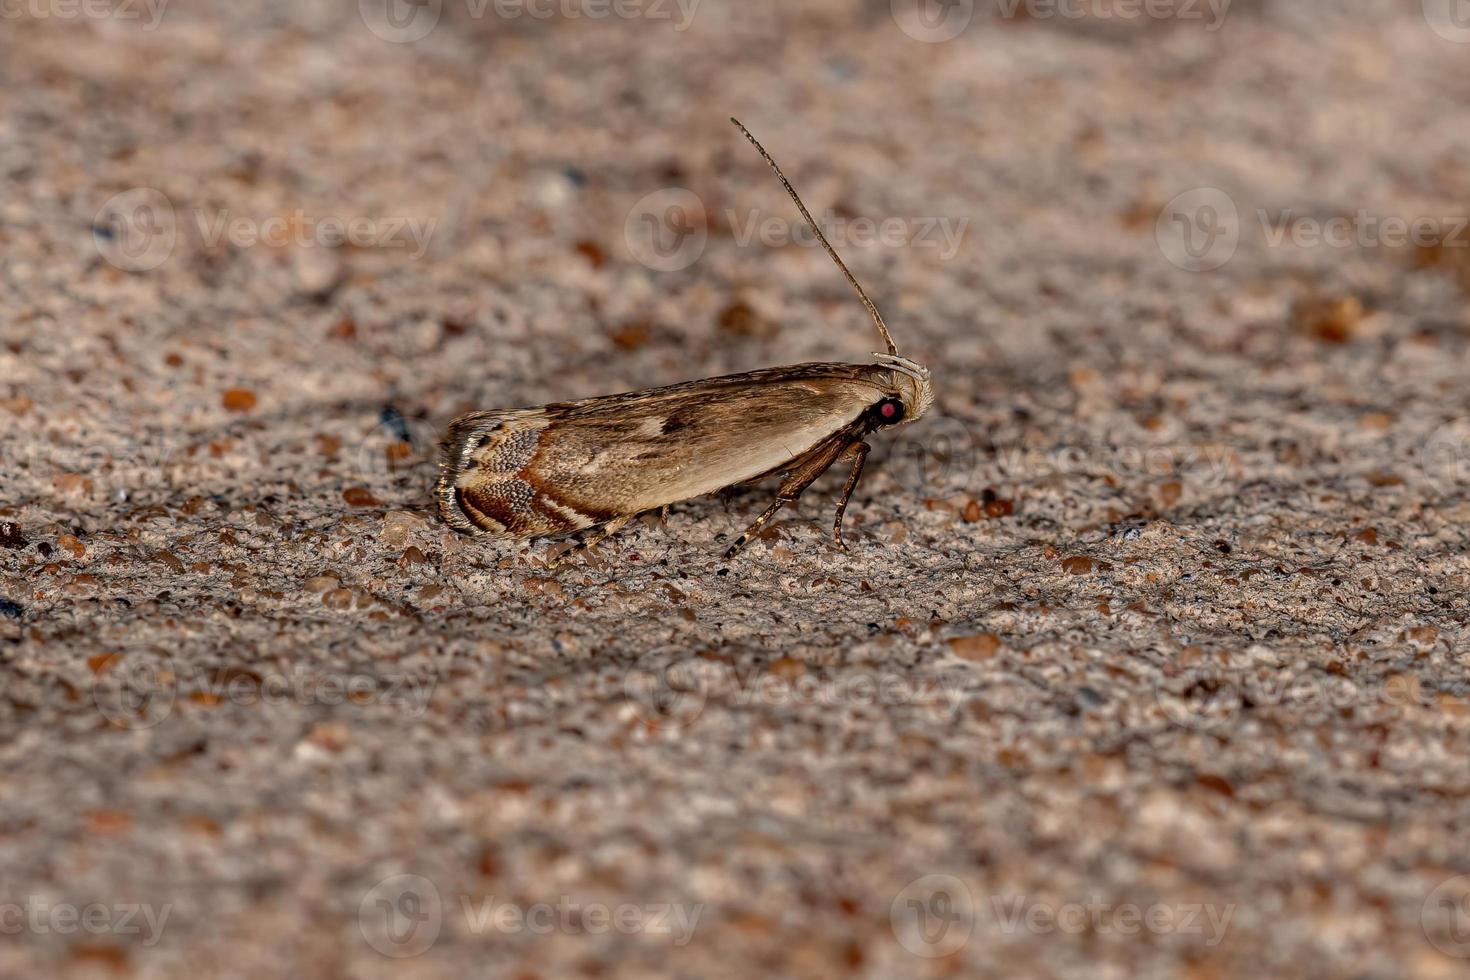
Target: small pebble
(10, 536)
(359, 497)
(976, 648)
(171, 560)
(238, 400)
(787, 668)
(72, 485)
(398, 525)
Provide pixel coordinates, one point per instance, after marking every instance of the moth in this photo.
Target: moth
(600, 462)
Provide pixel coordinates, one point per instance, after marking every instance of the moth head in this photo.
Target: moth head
(908, 392)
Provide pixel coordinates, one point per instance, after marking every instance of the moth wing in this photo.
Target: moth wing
(485, 476)
(564, 467)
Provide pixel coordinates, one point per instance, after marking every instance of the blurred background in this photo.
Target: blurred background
(1166, 595)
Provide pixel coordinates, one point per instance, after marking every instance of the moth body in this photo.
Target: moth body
(575, 465)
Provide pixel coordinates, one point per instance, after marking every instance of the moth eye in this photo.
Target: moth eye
(890, 410)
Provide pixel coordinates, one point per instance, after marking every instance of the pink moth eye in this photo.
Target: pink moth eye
(888, 410)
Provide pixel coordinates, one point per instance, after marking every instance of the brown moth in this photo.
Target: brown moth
(600, 462)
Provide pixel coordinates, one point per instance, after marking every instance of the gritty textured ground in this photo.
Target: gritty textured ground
(1148, 658)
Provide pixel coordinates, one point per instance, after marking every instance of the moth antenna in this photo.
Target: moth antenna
(872, 310)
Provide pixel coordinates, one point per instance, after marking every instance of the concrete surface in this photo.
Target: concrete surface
(1149, 656)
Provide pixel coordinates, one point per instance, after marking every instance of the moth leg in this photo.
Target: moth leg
(595, 537)
(663, 514)
(760, 521)
(793, 487)
(859, 453)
